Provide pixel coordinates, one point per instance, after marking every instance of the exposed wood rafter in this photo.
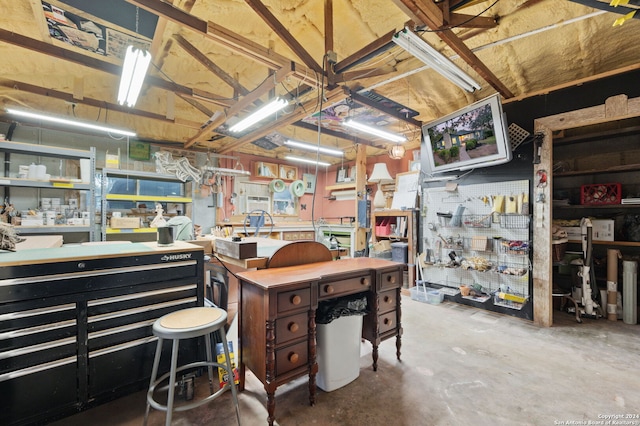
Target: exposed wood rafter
(428, 13)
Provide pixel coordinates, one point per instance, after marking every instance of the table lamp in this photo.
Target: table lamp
(380, 173)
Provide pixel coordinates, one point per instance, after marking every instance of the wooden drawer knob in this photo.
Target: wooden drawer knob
(329, 289)
(387, 299)
(296, 300)
(364, 281)
(391, 279)
(293, 327)
(387, 321)
(293, 357)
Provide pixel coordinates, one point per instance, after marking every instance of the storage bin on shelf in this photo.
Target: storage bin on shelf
(601, 194)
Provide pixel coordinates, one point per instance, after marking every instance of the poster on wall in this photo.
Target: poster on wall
(87, 34)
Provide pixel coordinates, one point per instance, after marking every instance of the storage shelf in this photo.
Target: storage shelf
(603, 206)
(610, 243)
(341, 186)
(135, 198)
(30, 183)
(51, 229)
(131, 230)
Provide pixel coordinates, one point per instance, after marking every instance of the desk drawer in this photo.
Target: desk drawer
(294, 300)
(391, 280)
(387, 322)
(388, 300)
(291, 328)
(351, 285)
(291, 357)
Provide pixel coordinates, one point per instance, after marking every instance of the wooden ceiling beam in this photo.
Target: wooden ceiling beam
(428, 13)
(284, 34)
(100, 65)
(209, 64)
(225, 37)
(239, 106)
(21, 86)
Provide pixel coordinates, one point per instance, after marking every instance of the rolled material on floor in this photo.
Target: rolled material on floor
(612, 283)
(629, 292)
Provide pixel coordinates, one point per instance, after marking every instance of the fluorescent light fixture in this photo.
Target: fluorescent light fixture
(271, 108)
(134, 69)
(315, 148)
(306, 160)
(393, 137)
(419, 48)
(67, 122)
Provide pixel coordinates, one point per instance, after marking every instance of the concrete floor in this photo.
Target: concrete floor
(460, 366)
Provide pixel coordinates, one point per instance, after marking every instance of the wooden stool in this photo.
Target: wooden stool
(185, 324)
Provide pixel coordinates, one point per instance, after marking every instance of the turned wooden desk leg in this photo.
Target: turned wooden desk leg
(375, 357)
(313, 365)
(270, 382)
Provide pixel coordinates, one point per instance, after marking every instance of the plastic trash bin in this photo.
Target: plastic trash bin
(338, 333)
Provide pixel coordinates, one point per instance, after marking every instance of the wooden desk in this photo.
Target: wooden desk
(277, 327)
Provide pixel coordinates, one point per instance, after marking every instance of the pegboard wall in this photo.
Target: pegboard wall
(478, 236)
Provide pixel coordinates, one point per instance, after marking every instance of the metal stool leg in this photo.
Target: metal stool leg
(207, 345)
(154, 374)
(172, 380)
(232, 378)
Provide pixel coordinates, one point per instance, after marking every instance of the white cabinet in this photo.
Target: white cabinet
(56, 188)
(132, 195)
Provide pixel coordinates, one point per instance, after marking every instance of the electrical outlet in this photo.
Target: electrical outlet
(332, 57)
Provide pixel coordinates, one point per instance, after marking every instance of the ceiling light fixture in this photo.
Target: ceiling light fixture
(315, 148)
(397, 152)
(393, 137)
(134, 70)
(306, 160)
(271, 108)
(419, 48)
(67, 122)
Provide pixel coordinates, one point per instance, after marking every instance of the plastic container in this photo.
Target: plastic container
(338, 333)
(434, 297)
(338, 346)
(399, 252)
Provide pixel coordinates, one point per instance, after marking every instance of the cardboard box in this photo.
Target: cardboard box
(602, 230)
(223, 376)
(125, 222)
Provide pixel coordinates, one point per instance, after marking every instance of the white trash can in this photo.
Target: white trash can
(338, 352)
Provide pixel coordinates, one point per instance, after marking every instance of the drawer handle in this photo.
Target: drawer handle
(293, 327)
(293, 358)
(364, 281)
(391, 279)
(387, 299)
(329, 289)
(387, 321)
(296, 300)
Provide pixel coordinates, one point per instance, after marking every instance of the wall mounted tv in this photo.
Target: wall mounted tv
(472, 137)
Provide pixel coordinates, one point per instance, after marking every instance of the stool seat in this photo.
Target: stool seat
(190, 322)
(184, 324)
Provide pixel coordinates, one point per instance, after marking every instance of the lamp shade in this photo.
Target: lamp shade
(380, 173)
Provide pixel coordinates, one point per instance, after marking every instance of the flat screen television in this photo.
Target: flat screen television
(472, 137)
